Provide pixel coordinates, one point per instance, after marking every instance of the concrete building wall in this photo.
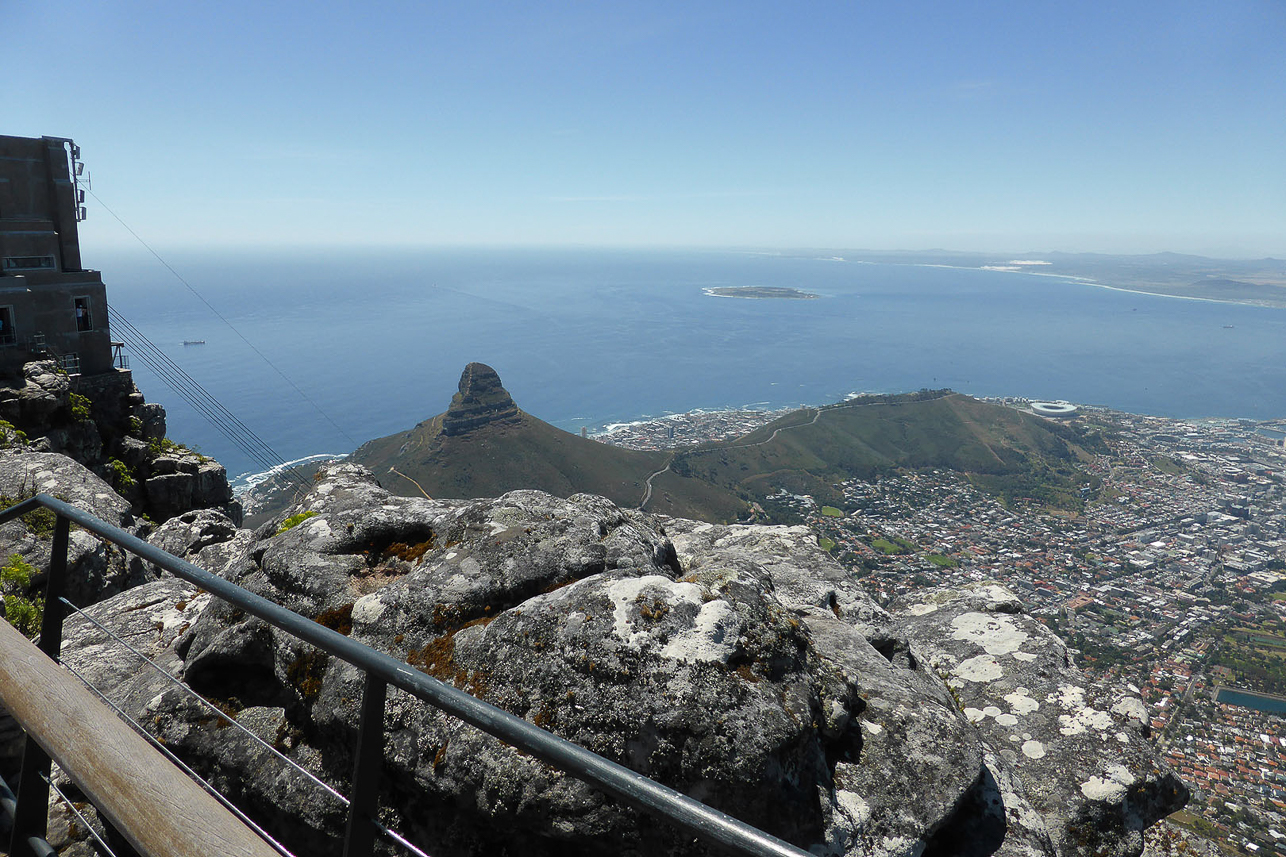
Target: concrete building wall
(49, 305)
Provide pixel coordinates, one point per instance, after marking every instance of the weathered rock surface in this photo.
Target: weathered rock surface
(1072, 770)
(96, 569)
(738, 664)
(102, 422)
(481, 401)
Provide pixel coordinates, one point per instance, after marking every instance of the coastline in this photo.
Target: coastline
(1088, 281)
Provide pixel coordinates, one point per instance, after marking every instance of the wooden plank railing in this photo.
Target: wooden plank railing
(155, 806)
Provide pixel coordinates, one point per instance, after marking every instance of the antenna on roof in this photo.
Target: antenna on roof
(77, 170)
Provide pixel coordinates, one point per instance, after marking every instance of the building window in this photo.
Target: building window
(29, 263)
(8, 336)
(84, 321)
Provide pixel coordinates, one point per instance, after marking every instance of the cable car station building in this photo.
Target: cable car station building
(50, 306)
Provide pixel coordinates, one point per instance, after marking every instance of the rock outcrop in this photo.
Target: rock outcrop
(96, 570)
(739, 664)
(482, 400)
(103, 422)
(1070, 771)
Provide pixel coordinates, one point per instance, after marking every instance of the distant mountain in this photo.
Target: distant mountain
(1005, 451)
(484, 445)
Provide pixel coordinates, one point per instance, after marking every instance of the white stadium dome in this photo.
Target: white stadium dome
(1053, 409)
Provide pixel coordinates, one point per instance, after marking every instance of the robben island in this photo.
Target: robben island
(1066, 618)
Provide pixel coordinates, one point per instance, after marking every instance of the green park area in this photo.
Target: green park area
(895, 546)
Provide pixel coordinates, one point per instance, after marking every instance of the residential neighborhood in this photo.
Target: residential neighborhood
(1169, 581)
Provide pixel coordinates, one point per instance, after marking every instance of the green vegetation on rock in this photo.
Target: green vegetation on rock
(295, 520)
(120, 473)
(20, 612)
(80, 406)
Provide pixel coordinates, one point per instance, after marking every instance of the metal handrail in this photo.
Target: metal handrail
(382, 670)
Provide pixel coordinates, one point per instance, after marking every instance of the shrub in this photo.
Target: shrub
(80, 407)
(15, 575)
(120, 473)
(23, 613)
(295, 520)
(163, 446)
(9, 433)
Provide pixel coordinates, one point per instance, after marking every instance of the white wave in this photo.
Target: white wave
(250, 480)
(1028, 262)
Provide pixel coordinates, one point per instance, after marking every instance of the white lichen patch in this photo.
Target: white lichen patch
(1006, 720)
(1082, 720)
(853, 806)
(625, 596)
(921, 609)
(1033, 749)
(1068, 696)
(979, 668)
(991, 711)
(170, 619)
(1132, 708)
(873, 728)
(996, 633)
(1025, 657)
(975, 715)
(1020, 703)
(315, 528)
(712, 637)
(1111, 787)
(368, 609)
(997, 596)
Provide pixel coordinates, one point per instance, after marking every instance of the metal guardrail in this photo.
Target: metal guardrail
(381, 670)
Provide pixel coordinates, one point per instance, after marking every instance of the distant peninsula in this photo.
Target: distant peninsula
(761, 293)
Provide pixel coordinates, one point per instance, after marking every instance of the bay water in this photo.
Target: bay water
(319, 351)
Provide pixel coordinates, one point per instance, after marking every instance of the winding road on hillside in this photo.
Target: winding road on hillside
(647, 493)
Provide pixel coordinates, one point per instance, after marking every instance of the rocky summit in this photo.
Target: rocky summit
(481, 401)
(739, 664)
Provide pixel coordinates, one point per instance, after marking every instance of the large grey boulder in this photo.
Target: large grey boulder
(96, 569)
(738, 664)
(740, 669)
(1073, 770)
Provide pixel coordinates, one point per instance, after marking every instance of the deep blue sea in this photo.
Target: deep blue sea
(377, 339)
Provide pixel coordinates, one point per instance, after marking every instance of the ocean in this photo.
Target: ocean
(366, 343)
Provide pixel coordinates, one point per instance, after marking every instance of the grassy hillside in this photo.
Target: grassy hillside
(1005, 451)
(530, 453)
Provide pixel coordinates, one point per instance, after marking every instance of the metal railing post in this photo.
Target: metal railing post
(364, 797)
(31, 816)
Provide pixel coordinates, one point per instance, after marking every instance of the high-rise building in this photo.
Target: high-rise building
(50, 306)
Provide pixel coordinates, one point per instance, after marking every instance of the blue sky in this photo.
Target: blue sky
(1113, 127)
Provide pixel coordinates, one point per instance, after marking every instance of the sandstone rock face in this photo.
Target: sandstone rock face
(481, 401)
(738, 664)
